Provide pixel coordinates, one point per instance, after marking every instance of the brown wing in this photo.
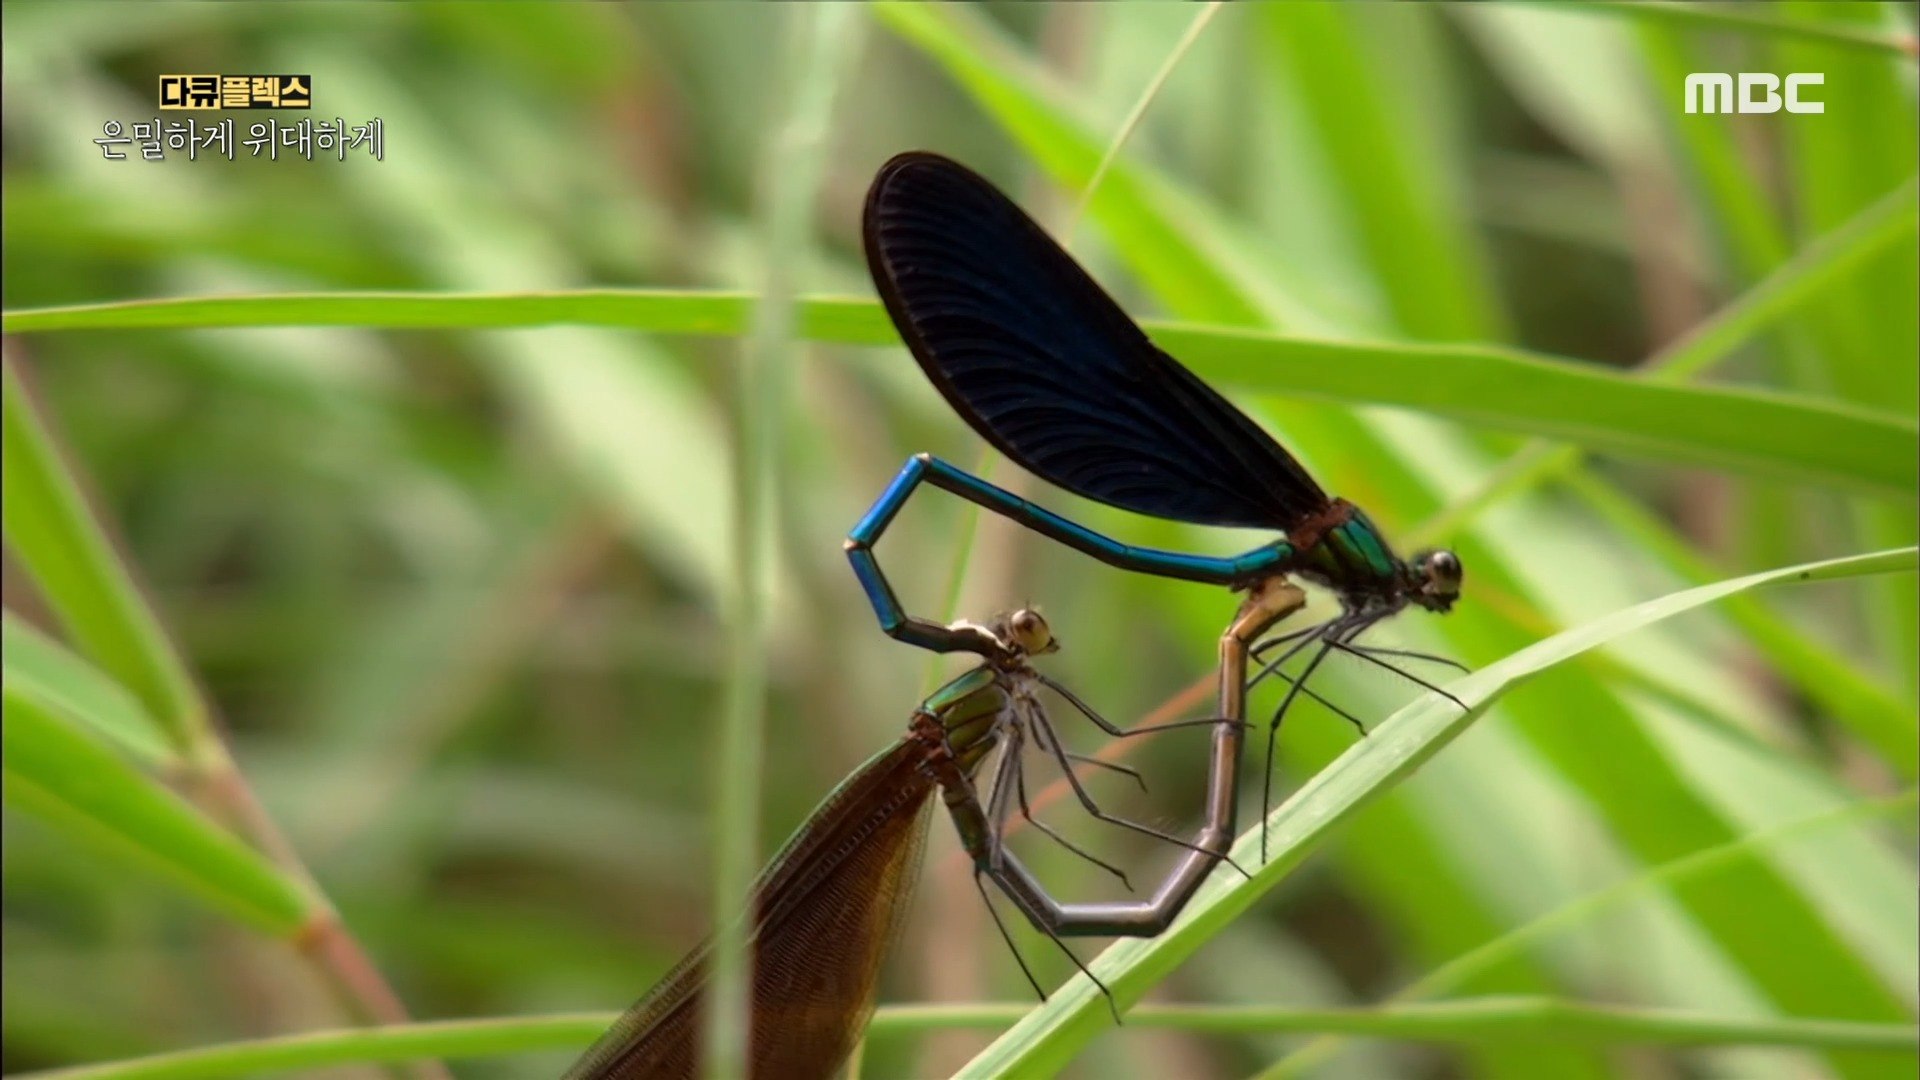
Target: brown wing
(828, 909)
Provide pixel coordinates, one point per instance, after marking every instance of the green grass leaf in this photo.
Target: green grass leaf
(1584, 911)
(48, 527)
(1740, 19)
(1525, 1019)
(42, 669)
(68, 777)
(1824, 267)
(1745, 430)
(1399, 195)
(1752, 431)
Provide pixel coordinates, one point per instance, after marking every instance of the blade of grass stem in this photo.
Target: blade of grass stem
(1735, 18)
(1135, 115)
(82, 578)
(1738, 429)
(1582, 910)
(818, 38)
(1465, 1020)
(53, 532)
(39, 667)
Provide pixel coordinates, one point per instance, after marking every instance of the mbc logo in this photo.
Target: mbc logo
(1713, 92)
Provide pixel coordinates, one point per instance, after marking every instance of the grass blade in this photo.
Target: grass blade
(1751, 431)
(1467, 1020)
(64, 775)
(816, 39)
(1738, 19)
(42, 669)
(1583, 910)
(49, 528)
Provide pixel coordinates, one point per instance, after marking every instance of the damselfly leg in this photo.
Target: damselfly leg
(1334, 635)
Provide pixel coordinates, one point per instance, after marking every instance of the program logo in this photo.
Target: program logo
(1758, 92)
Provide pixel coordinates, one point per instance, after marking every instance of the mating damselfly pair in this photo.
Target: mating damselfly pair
(1049, 370)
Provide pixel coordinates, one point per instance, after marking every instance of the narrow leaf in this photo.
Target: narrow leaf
(1752, 431)
(42, 669)
(50, 530)
(57, 771)
(1469, 1020)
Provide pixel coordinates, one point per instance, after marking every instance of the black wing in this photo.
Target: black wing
(1048, 369)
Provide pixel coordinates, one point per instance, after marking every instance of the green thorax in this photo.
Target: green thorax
(969, 708)
(1353, 557)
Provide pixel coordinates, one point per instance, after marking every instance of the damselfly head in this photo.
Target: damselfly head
(1436, 579)
(1027, 630)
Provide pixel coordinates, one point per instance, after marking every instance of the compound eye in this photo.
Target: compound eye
(1439, 571)
(1031, 631)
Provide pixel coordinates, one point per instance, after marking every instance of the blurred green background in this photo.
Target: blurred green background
(457, 595)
